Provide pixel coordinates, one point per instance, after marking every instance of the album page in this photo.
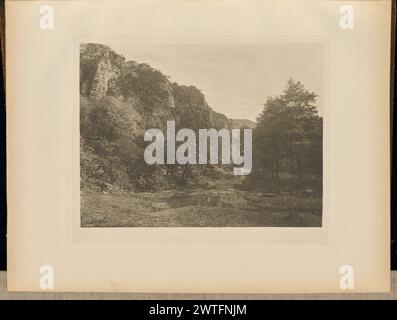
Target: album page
(198, 146)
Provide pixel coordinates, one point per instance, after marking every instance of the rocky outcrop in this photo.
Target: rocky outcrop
(99, 68)
(103, 73)
(121, 99)
(194, 110)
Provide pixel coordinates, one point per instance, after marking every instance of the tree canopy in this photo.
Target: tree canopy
(287, 142)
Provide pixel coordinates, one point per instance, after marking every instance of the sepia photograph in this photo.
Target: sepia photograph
(201, 134)
(198, 149)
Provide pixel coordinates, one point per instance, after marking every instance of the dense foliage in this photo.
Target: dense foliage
(287, 142)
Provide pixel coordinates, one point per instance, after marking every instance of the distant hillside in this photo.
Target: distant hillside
(119, 100)
(241, 123)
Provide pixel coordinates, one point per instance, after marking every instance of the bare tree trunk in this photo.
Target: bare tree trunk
(299, 167)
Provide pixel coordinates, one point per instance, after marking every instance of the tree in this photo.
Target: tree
(288, 135)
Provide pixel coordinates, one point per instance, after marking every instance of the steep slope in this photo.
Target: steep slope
(121, 99)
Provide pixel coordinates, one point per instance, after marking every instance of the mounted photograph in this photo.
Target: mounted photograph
(199, 147)
(201, 134)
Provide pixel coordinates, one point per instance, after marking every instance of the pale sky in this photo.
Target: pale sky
(235, 78)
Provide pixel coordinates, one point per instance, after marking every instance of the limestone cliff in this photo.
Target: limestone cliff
(119, 100)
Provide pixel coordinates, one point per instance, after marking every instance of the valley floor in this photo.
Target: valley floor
(227, 207)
